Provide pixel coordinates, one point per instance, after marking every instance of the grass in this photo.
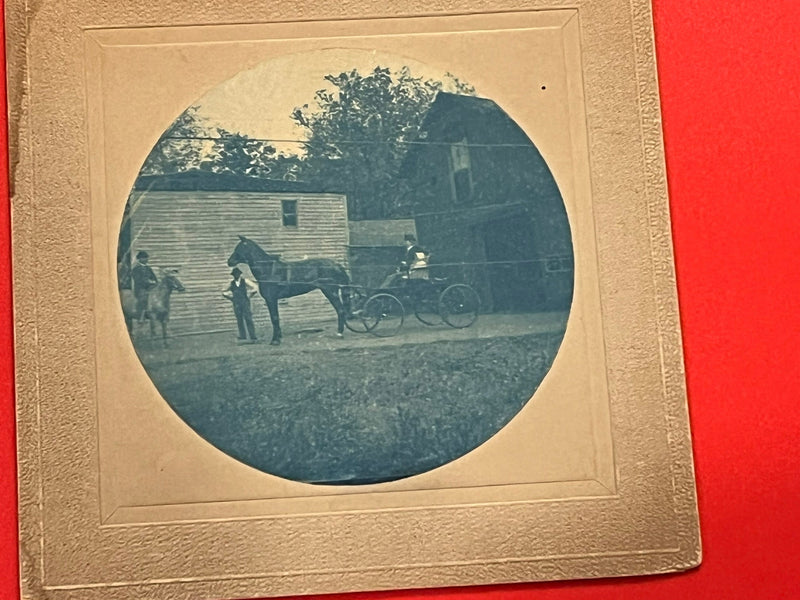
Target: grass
(362, 415)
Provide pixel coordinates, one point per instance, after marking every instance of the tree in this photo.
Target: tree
(191, 143)
(180, 148)
(359, 131)
(241, 155)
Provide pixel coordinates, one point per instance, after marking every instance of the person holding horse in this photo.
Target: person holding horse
(158, 302)
(279, 279)
(144, 280)
(239, 291)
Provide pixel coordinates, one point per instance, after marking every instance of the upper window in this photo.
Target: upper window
(289, 212)
(461, 172)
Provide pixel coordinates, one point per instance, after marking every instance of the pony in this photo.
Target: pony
(157, 302)
(284, 279)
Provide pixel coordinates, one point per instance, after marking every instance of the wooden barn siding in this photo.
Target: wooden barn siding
(197, 231)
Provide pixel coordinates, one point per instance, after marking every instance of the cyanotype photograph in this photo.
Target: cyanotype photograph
(345, 267)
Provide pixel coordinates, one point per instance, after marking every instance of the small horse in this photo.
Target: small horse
(157, 302)
(284, 279)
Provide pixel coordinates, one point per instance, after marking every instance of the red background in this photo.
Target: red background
(729, 72)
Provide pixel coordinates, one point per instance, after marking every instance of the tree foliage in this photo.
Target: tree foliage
(241, 155)
(180, 147)
(191, 143)
(358, 130)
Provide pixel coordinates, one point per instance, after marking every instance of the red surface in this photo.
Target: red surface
(730, 84)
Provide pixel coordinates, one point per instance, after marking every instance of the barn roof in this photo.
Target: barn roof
(453, 117)
(204, 181)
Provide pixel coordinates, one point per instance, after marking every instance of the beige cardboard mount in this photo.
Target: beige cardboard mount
(120, 499)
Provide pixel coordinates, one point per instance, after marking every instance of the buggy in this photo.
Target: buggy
(433, 301)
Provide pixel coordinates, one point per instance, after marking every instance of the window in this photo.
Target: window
(461, 171)
(289, 211)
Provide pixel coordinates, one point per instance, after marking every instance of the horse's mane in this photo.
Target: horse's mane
(265, 256)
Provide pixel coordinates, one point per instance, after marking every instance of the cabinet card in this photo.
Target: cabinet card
(336, 298)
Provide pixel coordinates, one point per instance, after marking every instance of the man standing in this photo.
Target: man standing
(143, 280)
(239, 291)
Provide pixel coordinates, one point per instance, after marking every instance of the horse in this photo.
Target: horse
(157, 302)
(284, 279)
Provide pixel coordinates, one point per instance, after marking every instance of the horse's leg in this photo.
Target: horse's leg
(344, 294)
(272, 306)
(152, 320)
(332, 294)
(164, 331)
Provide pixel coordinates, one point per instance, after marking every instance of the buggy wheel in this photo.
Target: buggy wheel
(387, 314)
(356, 319)
(459, 305)
(427, 310)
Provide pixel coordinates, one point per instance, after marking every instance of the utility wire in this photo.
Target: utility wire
(344, 141)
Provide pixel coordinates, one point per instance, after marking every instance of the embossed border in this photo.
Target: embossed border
(611, 30)
(119, 64)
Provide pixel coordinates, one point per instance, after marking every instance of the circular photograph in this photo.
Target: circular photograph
(344, 267)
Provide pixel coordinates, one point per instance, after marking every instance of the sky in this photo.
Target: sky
(259, 102)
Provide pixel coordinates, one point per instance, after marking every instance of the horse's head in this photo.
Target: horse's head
(249, 253)
(243, 253)
(170, 279)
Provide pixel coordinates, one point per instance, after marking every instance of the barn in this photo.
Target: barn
(191, 221)
(484, 201)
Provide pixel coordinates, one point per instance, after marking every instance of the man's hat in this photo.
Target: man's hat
(409, 237)
(236, 271)
(142, 254)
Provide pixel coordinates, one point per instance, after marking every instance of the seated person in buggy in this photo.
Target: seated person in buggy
(413, 267)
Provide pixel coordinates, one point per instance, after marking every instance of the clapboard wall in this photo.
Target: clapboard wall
(196, 232)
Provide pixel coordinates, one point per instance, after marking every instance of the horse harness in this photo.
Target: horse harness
(285, 272)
